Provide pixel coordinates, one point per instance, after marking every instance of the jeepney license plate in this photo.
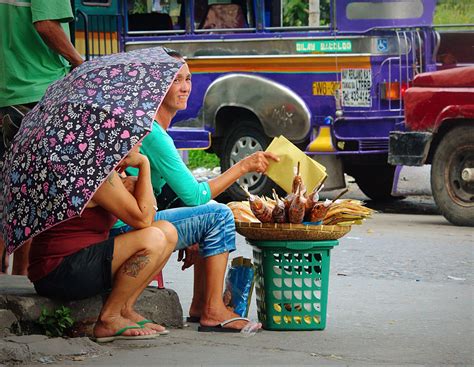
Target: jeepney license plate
(325, 88)
(356, 85)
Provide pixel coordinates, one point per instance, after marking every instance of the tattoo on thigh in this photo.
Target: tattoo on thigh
(134, 265)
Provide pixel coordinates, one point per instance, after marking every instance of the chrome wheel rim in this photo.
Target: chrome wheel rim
(242, 148)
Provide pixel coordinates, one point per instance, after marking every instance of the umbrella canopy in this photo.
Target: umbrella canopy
(76, 135)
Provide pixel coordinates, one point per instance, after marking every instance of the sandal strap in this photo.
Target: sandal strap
(223, 323)
(146, 321)
(122, 330)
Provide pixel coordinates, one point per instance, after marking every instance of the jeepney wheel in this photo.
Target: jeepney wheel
(244, 140)
(375, 181)
(453, 194)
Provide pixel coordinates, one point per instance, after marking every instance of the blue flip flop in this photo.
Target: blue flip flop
(118, 335)
(146, 321)
(219, 328)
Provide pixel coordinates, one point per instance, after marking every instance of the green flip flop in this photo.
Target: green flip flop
(118, 335)
(146, 321)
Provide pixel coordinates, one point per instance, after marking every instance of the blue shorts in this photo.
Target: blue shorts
(210, 225)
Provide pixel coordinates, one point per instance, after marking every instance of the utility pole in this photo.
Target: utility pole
(314, 13)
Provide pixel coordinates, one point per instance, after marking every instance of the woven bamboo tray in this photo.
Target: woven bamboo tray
(288, 231)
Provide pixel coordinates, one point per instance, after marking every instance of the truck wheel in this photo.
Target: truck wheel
(453, 195)
(243, 141)
(375, 181)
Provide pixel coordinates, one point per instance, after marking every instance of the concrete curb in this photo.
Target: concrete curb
(20, 308)
(40, 348)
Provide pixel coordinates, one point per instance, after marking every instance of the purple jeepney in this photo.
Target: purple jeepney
(332, 82)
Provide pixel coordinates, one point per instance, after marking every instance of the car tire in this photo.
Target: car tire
(242, 141)
(375, 181)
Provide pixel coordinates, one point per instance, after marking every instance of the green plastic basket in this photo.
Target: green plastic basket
(292, 279)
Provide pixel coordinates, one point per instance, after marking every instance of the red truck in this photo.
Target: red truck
(439, 130)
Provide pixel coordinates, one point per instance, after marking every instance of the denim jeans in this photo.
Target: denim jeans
(210, 225)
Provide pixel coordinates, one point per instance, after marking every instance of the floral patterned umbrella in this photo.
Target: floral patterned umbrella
(76, 135)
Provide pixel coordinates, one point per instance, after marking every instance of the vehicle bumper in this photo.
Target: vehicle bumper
(409, 148)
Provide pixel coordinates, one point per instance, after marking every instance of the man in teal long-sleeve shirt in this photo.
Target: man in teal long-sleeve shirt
(168, 168)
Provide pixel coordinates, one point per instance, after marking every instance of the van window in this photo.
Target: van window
(96, 2)
(291, 14)
(223, 15)
(406, 9)
(145, 16)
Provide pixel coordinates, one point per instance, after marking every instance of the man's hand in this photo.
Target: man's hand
(188, 256)
(258, 162)
(133, 159)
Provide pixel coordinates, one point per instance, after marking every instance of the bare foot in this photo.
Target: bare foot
(109, 326)
(195, 310)
(213, 317)
(136, 317)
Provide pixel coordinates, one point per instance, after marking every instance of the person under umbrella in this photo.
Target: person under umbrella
(62, 188)
(204, 221)
(124, 264)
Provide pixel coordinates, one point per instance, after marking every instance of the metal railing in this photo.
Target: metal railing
(100, 35)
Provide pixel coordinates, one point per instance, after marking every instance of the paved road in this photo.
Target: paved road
(401, 292)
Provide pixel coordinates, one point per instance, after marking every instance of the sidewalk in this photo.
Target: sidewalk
(400, 293)
(20, 308)
(376, 322)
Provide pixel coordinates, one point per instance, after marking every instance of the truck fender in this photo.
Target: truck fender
(280, 110)
(454, 112)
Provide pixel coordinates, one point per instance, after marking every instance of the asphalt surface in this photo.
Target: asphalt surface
(400, 293)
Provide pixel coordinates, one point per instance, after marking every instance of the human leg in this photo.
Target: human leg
(214, 310)
(128, 310)
(138, 255)
(20, 259)
(199, 284)
(4, 257)
(212, 227)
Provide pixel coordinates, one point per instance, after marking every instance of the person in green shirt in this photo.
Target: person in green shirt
(35, 51)
(203, 221)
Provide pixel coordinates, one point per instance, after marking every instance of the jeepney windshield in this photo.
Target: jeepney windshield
(223, 16)
(394, 10)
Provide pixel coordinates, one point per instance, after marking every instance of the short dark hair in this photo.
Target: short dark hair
(173, 53)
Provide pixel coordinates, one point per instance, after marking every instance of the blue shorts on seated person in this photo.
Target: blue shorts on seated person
(210, 225)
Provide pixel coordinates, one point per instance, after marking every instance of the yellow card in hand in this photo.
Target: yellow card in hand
(282, 172)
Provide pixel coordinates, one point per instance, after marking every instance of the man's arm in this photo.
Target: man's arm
(166, 163)
(54, 36)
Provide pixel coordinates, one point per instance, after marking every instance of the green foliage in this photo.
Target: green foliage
(199, 158)
(296, 13)
(56, 322)
(325, 12)
(138, 7)
(454, 12)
